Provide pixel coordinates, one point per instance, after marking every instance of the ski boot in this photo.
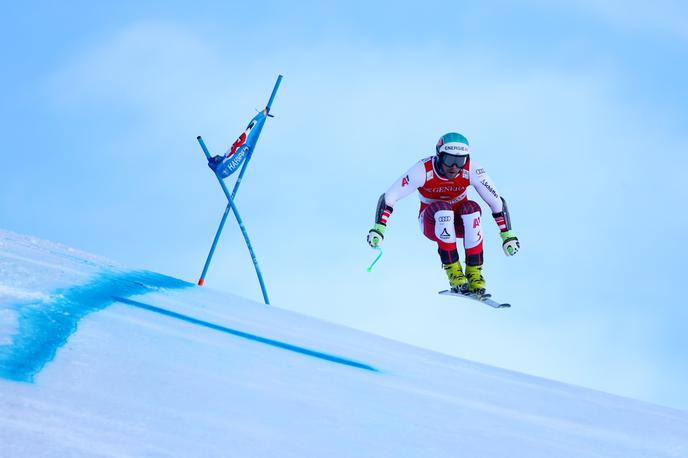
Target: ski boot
(476, 281)
(457, 280)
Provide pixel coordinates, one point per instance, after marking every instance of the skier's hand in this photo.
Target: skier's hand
(510, 243)
(376, 235)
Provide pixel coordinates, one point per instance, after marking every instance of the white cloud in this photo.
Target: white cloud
(160, 69)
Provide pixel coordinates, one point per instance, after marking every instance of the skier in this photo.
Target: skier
(446, 213)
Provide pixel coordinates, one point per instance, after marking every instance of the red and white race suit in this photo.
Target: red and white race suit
(446, 213)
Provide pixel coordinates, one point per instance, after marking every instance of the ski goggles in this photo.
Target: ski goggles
(450, 160)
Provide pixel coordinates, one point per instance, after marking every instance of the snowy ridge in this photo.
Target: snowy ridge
(98, 360)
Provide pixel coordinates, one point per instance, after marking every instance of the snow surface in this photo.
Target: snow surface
(98, 360)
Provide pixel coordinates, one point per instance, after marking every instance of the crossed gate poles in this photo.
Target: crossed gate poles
(251, 141)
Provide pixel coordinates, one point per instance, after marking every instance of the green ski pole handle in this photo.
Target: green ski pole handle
(370, 268)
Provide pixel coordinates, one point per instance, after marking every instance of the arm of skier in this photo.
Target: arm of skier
(403, 187)
(482, 183)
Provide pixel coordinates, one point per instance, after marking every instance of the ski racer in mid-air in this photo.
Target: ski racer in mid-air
(446, 213)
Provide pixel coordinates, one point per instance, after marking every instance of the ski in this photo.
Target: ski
(485, 298)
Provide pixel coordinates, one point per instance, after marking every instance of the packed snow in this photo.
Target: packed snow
(100, 360)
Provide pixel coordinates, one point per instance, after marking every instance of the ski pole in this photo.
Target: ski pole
(376, 259)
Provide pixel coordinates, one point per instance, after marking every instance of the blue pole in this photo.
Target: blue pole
(230, 199)
(274, 91)
(241, 175)
(212, 248)
(267, 111)
(241, 226)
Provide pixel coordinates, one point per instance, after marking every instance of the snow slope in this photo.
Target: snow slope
(99, 360)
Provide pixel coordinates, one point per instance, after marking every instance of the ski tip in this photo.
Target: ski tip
(201, 282)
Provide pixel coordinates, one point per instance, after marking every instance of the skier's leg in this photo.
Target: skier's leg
(437, 222)
(469, 213)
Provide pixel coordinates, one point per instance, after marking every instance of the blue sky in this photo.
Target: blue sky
(577, 110)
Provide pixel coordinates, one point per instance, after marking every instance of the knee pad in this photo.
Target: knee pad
(444, 226)
(472, 233)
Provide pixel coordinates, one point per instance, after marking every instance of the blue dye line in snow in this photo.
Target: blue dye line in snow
(245, 335)
(44, 327)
